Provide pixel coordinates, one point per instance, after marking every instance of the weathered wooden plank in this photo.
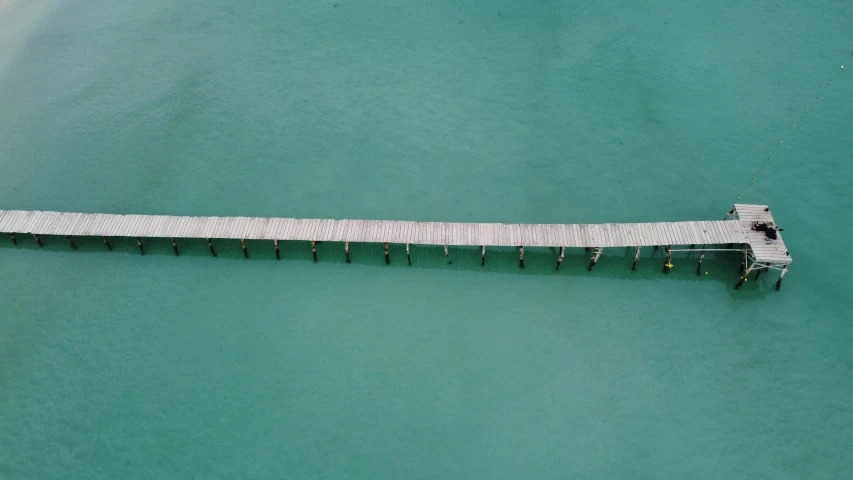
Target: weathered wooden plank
(6, 219)
(619, 234)
(133, 230)
(40, 219)
(703, 232)
(165, 228)
(96, 226)
(9, 226)
(74, 223)
(692, 235)
(718, 233)
(284, 227)
(106, 226)
(672, 234)
(654, 234)
(151, 229)
(49, 227)
(294, 226)
(615, 235)
(154, 228)
(199, 227)
(332, 231)
(25, 220)
(726, 230)
(36, 221)
(21, 218)
(737, 233)
(612, 235)
(669, 235)
(45, 218)
(11, 217)
(593, 235)
(677, 233)
(216, 228)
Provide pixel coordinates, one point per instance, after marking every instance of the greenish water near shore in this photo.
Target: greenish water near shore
(115, 365)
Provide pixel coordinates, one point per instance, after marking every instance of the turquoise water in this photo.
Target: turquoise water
(114, 365)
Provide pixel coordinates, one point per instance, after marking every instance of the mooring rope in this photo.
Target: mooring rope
(784, 136)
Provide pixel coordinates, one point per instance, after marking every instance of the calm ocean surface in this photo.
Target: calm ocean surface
(114, 365)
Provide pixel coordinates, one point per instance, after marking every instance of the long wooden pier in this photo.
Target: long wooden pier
(760, 253)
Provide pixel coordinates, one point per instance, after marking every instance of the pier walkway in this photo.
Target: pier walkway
(760, 253)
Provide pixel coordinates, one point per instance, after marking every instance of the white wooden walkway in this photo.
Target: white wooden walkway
(602, 235)
(763, 249)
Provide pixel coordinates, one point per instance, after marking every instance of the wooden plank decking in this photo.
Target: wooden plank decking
(604, 235)
(764, 249)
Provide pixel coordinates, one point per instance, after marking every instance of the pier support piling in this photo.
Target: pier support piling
(594, 259)
(175, 246)
(210, 244)
(346, 250)
(107, 243)
(744, 277)
(483, 255)
(636, 259)
(14, 240)
(701, 257)
(446, 252)
(38, 240)
(742, 267)
(561, 256)
(408, 255)
(314, 250)
(668, 264)
(245, 250)
(521, 257)
(387, 256)
(70, 241)
(277, 253)
(141, 248)
(781, 276)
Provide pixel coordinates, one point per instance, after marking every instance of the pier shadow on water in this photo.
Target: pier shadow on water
(614, 263)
